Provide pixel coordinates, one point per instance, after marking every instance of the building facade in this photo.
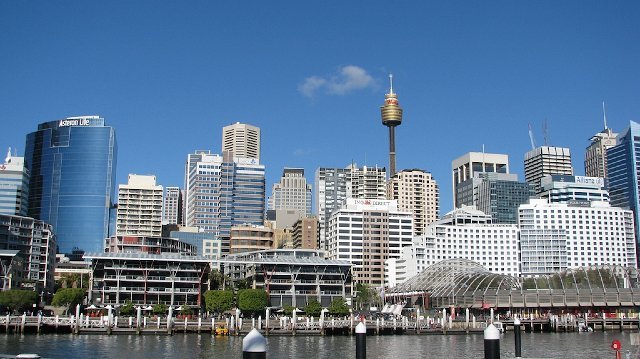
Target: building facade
(172, 206)
(546, 160)
(557, 236)
(72, 163)
(222, 192)
(242, 140)
(367, 232)
(292, 192)
(139, 210)
(250, 238)
(417, 192)
(500, 194)
(623, 169)
(560, 189)
(466, 166)
(36, 243)
(304, 233)
(14, 186)
(331, 193)
(148, 245)
(595, 157)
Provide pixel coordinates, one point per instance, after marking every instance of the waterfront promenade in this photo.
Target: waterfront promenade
(294, 326)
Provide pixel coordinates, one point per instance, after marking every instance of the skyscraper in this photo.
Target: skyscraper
(73, 165)
(172, 206)
(595, 158)
(14, 186)
(292, 192)
(500, 195)
(242, 140)
(139, 207)
(546, 160)
(623, 168)
(222, 192)
(416, 191)
(463, 173)
(391, 114)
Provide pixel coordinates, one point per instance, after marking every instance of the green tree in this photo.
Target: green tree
(287, 309)
(313, 308)
(127, 309)
(252, 300)
(68, 297)
(242, 284)
(159, 309)
(216, 279)
(338, 307)
(218, 301)
(18, 300)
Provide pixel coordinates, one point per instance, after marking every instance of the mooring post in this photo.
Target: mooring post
(361, 341)
(491, 342)
(254, 345)
(517, 337)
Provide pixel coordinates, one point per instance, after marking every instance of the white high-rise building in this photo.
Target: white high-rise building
(367, 232)
(292, 192)
(557, 236)
(172, 213)
(242, 140)
(14, 186)
(546, 160)
(367, 182)
(560, 188)
(465, 168)
(139, 207)
(417, 192)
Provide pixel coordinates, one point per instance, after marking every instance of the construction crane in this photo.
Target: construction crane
(533, 144)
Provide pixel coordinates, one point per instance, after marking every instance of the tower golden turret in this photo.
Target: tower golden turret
(391, 117)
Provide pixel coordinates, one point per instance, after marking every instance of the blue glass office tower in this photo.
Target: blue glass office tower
(73, 165)
(623, 169)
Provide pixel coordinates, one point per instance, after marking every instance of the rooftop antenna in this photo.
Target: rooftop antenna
(546, 132)
(604, 114)
(533, 144)
(390, 83)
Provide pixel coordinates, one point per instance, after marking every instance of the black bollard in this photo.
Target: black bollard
(491, 342)
(517, 337)
(254, 346)
(361, 341)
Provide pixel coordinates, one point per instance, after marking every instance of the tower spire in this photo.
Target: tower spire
(390, 84)
(604, 114)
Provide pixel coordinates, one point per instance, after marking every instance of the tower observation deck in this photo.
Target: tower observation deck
(391, 114)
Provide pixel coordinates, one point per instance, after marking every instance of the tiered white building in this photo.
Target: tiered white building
(139, 207)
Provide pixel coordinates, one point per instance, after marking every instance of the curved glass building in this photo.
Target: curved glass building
(73, 165)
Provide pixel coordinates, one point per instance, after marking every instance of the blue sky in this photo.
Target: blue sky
(168, 75)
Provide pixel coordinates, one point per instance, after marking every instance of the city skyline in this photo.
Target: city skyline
(312, 78)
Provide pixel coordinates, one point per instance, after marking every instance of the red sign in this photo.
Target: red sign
(616, 345)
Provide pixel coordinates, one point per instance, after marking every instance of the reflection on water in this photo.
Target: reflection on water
(538, 345)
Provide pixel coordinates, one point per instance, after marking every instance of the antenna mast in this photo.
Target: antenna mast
(604, 113)
(546, 132)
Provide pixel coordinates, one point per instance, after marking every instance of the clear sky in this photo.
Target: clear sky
(168, 75)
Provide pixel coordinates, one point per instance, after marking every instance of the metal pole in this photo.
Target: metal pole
(361, 341)
(491, 342)
(517, 337)
(254, 346)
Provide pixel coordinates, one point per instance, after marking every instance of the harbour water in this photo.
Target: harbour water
(595, 345)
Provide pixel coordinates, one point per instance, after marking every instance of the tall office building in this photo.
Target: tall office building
(335, 185)
(172, 206)
(623, 168)
(595, 158)
(72, 163)
(367, 232)
(14, 186)
(292, 192)
(546, 160)
(242, 140)
(222, 192)
(331, 193)
(464, 169)
(500, 195)
(417, 192)
(139, 207)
